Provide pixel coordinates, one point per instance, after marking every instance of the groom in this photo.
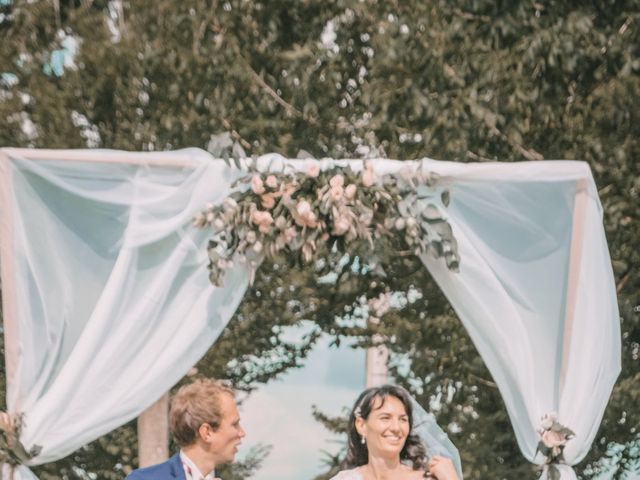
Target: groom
(205, 423)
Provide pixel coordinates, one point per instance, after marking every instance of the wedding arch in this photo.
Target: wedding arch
(102, 269)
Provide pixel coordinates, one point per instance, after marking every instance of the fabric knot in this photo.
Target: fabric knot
(12, 452)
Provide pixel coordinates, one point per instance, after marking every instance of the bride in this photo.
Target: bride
(382, 443)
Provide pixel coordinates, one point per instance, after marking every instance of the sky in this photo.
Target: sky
(279, 414)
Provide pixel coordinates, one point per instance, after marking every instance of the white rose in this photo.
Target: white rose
(218, 224)
(548, 420)
(199, 220)
(229, 204)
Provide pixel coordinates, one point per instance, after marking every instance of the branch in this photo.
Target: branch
(623, 282)
(291, 110)
(488, 383)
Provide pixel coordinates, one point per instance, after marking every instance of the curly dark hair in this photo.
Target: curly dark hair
(357, 453)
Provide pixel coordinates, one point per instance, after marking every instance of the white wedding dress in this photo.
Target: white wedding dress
(352, 474)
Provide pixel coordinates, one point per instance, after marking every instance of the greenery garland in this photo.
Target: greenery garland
(305, 215)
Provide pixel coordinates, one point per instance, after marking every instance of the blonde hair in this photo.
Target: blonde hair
(194, 405)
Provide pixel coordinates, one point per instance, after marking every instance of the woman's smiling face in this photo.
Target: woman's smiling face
(386, 428)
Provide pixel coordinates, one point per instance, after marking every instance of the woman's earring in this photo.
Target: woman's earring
(362, 440)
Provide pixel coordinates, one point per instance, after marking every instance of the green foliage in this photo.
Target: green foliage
(468, 80)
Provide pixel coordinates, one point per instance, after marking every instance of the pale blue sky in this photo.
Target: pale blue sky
(280, 413)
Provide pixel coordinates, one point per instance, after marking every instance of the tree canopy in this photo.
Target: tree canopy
(462, 80)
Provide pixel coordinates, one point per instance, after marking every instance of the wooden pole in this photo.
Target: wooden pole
(575, 259)
(9, 293)
(376, 365)
(153, 433)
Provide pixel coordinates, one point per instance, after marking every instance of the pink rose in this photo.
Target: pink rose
(310, 220)
(341, 226)
(337, 181)
(259, 217)
(268, 201)
(304, 215)
(272, 182)
(350, 192)
(303, 208)
(264, 228)
(313, 169)
(256, 185)
(336, 193)
(553, 439)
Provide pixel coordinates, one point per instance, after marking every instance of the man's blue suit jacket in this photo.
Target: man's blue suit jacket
(170, 470)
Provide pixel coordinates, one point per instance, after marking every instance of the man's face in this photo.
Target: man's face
(224, 441)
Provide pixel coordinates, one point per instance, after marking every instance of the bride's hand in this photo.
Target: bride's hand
(442, 468)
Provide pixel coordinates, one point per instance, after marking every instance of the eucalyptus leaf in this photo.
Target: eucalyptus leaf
(220, 143)
(238, 153)
(446, 197)
(431, 213)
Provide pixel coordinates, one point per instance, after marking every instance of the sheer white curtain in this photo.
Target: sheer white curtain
(108, 302)
(112, 298)
(536, 292)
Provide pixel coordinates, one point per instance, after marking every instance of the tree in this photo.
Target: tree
(464, 80)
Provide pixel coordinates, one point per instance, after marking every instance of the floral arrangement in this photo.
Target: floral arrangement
(12, 452)
(553, 439)
(312, 212)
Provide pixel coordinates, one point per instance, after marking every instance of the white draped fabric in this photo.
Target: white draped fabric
(107, 301)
